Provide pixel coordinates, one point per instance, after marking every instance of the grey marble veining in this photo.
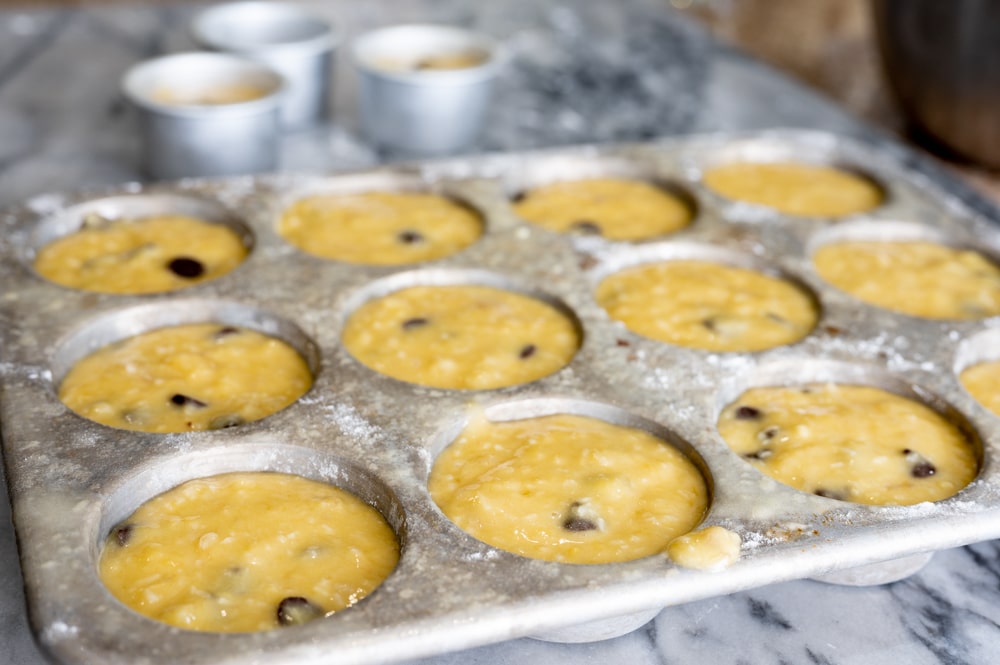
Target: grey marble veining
(580, 72)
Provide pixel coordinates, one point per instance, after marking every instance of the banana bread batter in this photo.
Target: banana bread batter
(849, 442)
(805, 190)
(568, 488)
(983, 383)
(916, 278)
(147, 255)
(461, 337)
(380, 228)
(614, 208)
(708, 306)
(189, 377)
(246, 552)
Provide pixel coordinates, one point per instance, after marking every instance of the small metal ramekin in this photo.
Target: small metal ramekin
(290, 39)
(423, 111)
(184, 138)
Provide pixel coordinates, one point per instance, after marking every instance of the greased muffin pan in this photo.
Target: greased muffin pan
(72, 480)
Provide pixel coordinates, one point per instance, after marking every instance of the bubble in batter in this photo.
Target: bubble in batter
(186, 378)
(461, 337)
(380, 228)
(711, 306)
(568, 488)
(850, 442)
(614, 208)
(147, 255)
(916, 278)
(246, 552)
(806, 190)
(982, 381)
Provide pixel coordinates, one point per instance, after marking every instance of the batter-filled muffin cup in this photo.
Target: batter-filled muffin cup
(380, 227)
(795, 188)
(247, 551)
(186, 377)
(978, 368)
(461, 336)
(568, 488)
(708, 305)
(612, 207)
(849, 442)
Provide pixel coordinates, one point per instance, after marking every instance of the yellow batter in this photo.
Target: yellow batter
(380, 228)
(147, 255)
(614, 208)
(461, 337)
(852, 443)
(917, 278)
(190, 377)
(235, 93)
(708, 306)
(806, 190)
(247, 551)
(713, 548)
(983, 383)
(568, 488)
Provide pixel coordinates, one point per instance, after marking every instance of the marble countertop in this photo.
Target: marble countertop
(580, 72)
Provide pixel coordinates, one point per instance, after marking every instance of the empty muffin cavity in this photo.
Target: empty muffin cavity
(570, 481)
(248, 540)
(849, 433)
(183, 366)
(462, 330)
(139, 243)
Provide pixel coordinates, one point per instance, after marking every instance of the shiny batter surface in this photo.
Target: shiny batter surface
(614, 208)
(708, 306)
(380, 228)
(147, 255)
(794, 188)
(246, 552)
(917, 278)
(848, 442)
(461, 337)
(983, 383)
(568, 488)
(235, 93)
(712, 548)
(190, 377)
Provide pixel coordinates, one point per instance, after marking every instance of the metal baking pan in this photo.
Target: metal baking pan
(70, 479)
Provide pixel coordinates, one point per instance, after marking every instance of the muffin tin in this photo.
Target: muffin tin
(71, 480)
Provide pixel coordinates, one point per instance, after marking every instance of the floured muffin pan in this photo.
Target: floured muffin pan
(72, 480)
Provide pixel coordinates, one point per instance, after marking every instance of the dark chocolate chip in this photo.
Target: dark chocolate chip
(760, 455)
(296, 610)
(527, 351)
(768, 433)
(586, 226)
(415, 322)
(184, 400)
(183, 266)
(409, 237)
(578, 524)
(923, 470)
(518, 197)
(226, 421)
(830, 494)
(748, 413)
(226, 331)
(709, 324)
(123, 533)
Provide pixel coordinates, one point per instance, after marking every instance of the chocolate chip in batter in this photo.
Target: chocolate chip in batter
(586, 226)
(767, 434)
(527, 351)
(123, 534)
(226, 421)
(830, 494)
(184, 400)
(578, 519)
(183, 266)
(748, 413)
(226, 331)
(920, 466)
(759, 455)
(415, 322)
(409, 237)
(708, 324)
(518, 197)
(296, 610)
